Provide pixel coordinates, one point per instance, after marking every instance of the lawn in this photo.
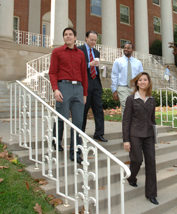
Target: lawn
(19, 193)
(115, 115)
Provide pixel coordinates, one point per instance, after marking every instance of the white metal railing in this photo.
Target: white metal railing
(107, 53)
(165, 110)
(38, 68)
(36, 135)
(28, 38)
(36, 80)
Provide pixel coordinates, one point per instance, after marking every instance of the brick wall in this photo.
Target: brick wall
(21, 10)
(72, 12)
(45, 7)
(93, 22)
(153, 10)
(125, 31)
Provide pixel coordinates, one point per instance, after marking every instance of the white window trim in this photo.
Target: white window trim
(128, 13)
(173, 10)
(124, 40)
(91, 10)
(174, 27)
(156, 4)
(18, 21)
(160, 25)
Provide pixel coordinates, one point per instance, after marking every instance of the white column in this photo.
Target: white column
(80, 19)
(167, 30)
(6, 20)
(34, 16)
(59, 21)
(141, 26)
(109, 23)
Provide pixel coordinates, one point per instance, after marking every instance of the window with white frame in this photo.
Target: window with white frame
(16, 23)
(96, 7)
(157, 23)
(124, 14)
(175, 5)
(175, 27)
(156, 2)
(123, 41)
(99, 39)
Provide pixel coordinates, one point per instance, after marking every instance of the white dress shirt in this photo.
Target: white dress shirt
(119, 71)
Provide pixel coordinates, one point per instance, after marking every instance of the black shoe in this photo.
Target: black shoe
(60, 148)
(154, 201)
(79, 160)
(133, 184)
(100, 137)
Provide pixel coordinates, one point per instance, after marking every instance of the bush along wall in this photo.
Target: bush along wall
(109, 103)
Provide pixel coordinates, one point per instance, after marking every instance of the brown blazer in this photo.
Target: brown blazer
(138, 118)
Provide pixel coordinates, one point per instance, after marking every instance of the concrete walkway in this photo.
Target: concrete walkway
(111, 129)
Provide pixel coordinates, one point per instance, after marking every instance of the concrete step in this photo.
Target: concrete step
(171, 211)
(140, 205)
(165, 179)
(114, 146)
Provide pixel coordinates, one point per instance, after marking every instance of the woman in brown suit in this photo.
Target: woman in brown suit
(138, 135)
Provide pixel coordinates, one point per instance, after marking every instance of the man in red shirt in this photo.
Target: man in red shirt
(68, 77)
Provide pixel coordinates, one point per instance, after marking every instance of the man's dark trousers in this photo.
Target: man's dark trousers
(95, 102)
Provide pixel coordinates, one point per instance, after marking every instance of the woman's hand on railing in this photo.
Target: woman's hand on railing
(58, 96)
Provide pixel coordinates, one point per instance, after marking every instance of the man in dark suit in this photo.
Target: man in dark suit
(94, 85)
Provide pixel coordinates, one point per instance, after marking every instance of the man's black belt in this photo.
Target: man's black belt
(70, 82)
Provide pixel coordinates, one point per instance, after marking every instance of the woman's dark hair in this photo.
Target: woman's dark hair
(134, 83)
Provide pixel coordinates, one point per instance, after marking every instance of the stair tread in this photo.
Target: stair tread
(140, 205)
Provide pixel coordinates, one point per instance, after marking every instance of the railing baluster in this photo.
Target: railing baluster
(11, 85)
(36, 134)
(109, 185)
(65, 163)
(122, 190)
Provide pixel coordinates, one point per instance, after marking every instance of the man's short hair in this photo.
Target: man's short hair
(69, 28)
(167, 66)
(94, 32)
(129, 44)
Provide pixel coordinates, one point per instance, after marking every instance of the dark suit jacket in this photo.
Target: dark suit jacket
(138, 118)
(97, 55)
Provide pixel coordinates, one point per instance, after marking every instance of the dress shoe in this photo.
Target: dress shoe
(79, 160)
(133, 184)
(154, 201)
(100, 137)
(60, 148)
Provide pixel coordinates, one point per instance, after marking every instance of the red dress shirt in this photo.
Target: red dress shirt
(68, 64)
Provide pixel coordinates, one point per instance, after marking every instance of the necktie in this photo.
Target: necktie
(129, 73)
(93, 72)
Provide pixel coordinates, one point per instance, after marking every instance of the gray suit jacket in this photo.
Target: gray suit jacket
(138, 118)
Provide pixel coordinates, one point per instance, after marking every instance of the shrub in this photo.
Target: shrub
(107, 99)
(156, 47)
(109, 103)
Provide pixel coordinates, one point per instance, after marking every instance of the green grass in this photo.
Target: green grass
(14, 196)
(157, 118)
